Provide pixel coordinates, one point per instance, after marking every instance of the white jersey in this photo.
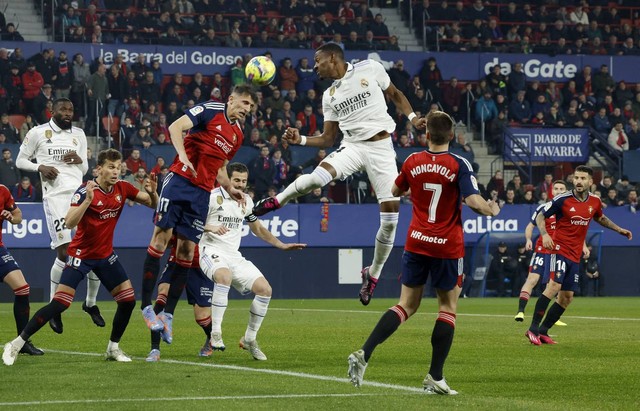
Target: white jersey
(48, 143)
(356, 101)
(224, 210)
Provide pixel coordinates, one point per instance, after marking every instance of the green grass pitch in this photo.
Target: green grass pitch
(594, 366)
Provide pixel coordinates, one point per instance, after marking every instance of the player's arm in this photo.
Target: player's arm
(398, 192)
(261, 232)
(604, 221)
(13, 216)
(26, 153)
(149, 196)
(481, 206)
(78, 208)
(78, 158)
(176, 128)
(547, 241)
(528, 234)
(400, 100)
(324, 140)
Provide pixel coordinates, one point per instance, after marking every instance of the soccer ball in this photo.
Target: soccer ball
(260, 71)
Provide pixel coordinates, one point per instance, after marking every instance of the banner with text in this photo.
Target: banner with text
(464, 66)
(348, 226)
(556, 144)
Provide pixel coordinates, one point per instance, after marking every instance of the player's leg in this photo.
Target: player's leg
(62, 299)
(319, 177)
(382, 171)
(247, 277)
(447, 279)
(115, 279)
(415, 272)
(555, 278)
(199, 295)
(217, 269)
(570, 283)
(151, 268)
(536, 270)
(89, 306)
(202, 315)
(161, 301)
(18, 284)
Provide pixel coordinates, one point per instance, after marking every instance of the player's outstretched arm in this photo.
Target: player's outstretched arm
(176, 128)
(75, 213)
(528, 234)
(149, 196)
(400, 100)
(481, 206)
(14, 216)
(261, 232)
(604, 221)
(324, 140)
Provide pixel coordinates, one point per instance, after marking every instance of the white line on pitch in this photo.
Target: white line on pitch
(234, 397)
(264, 371)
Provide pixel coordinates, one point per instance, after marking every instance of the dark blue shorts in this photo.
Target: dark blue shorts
(7, 263)
(540, 265)
(565, 272)
(445, 273)
(199, 287)
(182, 207)
(109, 270)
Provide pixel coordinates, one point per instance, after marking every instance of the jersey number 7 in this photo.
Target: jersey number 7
(436, 192)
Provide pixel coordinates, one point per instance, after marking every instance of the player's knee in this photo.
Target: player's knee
(222, 277)
(388, 225)
(263, 289)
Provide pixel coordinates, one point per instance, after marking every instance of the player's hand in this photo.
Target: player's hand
(151, 183)
(72, 158)
(292, 135)
(237, 195)
(495, 207)
(547, 242)
(419, 123)
(528, 245)
(91, 185)
(626, 233)
(585, 251)
(48, 172)
(184, 160)
(292, 246)
(6, 215)
(216, 229)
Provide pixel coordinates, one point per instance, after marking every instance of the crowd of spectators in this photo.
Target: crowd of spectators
(614, 193)
(300, 24)
(545, 27)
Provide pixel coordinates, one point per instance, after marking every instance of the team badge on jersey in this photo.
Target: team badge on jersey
(332, 91)
(48, 134)
(219, 200)
(119, 198)
(590, 210)
(235, 139)
(364, 83)
(196, 110)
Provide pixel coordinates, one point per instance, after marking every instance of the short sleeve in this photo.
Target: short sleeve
(130, 192)
(8, 203)
(401, 181)
(249, 217)
(554, 207)
(202, 113)
(532, 220)
(380, 74)
(598, 209)
(79, 196)
(327, 110)
(30, 144)
(466, 179)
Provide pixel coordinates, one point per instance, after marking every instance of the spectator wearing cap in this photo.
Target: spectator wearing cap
(40, 103)
(32, 83)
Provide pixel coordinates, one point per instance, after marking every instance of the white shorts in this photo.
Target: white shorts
(55, 211)
(377, 158)
(243, 272)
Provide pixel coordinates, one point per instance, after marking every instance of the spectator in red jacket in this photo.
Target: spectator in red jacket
(309, 120)
(134, 162)
(288, 77)
(32, 82)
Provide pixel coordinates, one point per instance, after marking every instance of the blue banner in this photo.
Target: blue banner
(349, 226)
(464, 66)
(556, 144)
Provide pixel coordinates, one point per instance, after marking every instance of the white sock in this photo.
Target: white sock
(55, 274)
(93, 286)
(112, 346)
(219, 303)
(18, 342)
(303, 184)
(257, 311)
(384, 242)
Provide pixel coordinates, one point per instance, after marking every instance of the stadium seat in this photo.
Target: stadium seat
(112, 127)
(17, 120)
